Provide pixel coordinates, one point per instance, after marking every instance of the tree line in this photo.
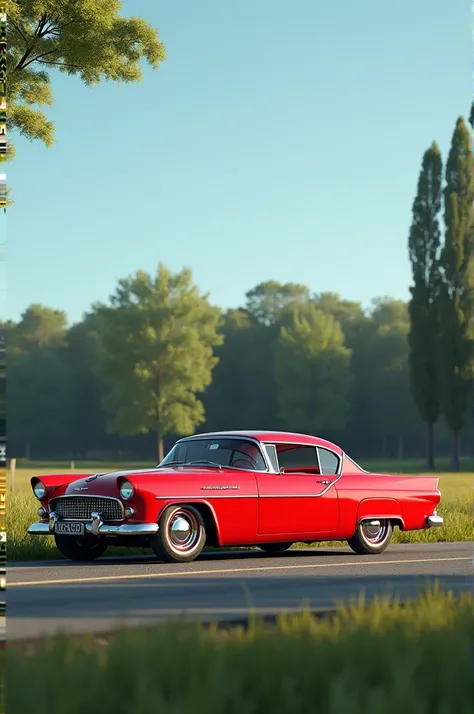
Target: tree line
(159, 360)
(441, 308)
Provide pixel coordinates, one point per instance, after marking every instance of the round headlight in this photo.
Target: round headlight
(126, 490)
(39, 489)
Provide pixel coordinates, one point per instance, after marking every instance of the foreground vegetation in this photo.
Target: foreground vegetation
(456, 507)
(385, 658)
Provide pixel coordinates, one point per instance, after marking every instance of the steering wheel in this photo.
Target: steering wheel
(243, 464)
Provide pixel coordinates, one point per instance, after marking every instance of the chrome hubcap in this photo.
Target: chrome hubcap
(374, 531)
(183, 530)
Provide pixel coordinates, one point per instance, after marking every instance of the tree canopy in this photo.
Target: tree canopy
(424, 251)
(456, 353)
(312, 372)
(89, 39)
(157, 340)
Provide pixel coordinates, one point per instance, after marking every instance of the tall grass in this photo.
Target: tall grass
(456, 507)
(383, 659)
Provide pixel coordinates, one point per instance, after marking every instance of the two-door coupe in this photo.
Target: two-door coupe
(266, 489)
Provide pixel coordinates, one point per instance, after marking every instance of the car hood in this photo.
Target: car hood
(102, 484)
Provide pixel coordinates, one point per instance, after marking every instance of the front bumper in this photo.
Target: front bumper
(435, 521)
(98, 528)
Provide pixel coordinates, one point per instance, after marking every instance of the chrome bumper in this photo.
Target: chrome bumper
(435, 521)
(127, 529)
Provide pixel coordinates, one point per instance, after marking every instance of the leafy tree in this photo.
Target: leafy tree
(456, 363)
(267, 301)
(424, 249)
(89, 39)
(85, 413)
(312, 372)
(349, 314)
(38, 398)
(156, 352)
(40, 328)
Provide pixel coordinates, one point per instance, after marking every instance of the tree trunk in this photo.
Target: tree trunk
(455, 465)
(430, 447)
(159, 443)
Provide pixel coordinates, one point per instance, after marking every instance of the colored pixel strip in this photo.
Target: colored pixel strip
(3, 100)
(3, 461)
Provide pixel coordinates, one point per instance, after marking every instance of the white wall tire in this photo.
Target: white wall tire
(371, 536)
(181, 535)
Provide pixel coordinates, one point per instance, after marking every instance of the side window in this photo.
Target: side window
(329, 461)
(272, 456)
(298, 457)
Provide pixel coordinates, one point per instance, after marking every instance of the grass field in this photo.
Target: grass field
(386, 659)
(456, 507)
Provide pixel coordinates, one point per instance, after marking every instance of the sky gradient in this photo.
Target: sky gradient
(280, 140)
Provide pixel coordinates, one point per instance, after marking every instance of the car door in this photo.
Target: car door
(300, 499)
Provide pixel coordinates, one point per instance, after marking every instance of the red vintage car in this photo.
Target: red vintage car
(254, 488)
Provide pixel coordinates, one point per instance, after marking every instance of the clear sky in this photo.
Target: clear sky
(280, 140)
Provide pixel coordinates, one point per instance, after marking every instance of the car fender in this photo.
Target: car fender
(388, 508)
(166, 503)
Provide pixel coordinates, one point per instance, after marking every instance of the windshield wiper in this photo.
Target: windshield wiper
(170, 463)
(204, 462)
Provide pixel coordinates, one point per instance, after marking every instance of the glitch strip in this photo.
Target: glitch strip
(3, 101)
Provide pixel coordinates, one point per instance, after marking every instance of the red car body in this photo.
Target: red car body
(255, 488)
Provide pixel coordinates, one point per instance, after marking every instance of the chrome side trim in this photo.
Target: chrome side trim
(435, 521)
(213, 495)
(130, 529)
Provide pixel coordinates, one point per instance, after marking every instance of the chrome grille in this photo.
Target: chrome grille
(80, 508)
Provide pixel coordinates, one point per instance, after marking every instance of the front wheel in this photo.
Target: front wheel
(80, 549)
(181, 535)
(275, 547)
(371, 537)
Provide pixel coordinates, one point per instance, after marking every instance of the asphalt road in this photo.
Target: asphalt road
(44, 598)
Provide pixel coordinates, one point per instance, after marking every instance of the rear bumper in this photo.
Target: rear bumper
(434, 521)
(99, 529)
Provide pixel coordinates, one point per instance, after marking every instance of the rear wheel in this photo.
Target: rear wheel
(275, 547)
(371, 536)
(80, 549)
(181, 535)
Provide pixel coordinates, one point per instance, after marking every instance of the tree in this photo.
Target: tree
(85, 413)
(38, 387)
(349, 314)
(38, 398)
(312, 372)
(456, 356)
(39, 328)
(424, 249)
(89, 39)
(156, 353)
(268, 300)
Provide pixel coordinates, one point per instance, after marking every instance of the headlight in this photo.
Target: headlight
(126, 490)
(39, 489)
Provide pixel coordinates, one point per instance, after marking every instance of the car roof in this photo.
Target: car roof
(275, 437)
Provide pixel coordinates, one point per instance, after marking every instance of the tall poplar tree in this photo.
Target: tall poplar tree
(456, 354)
(424, 249)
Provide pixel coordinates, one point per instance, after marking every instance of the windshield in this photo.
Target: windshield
(219, 452)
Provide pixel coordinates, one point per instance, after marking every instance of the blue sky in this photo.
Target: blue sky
(280, 140)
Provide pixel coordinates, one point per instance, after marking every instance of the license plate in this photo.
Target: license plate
(76, 529)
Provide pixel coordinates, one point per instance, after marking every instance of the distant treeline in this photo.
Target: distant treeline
(288, 360)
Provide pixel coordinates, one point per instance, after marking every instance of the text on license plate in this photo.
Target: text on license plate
(69, 528)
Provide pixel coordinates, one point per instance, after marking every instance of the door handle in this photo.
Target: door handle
(323, 481)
